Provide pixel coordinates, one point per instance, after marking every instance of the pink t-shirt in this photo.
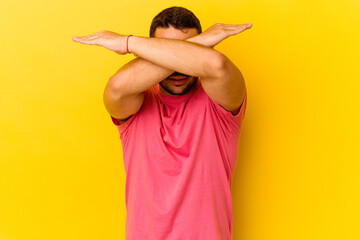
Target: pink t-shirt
(179, 158)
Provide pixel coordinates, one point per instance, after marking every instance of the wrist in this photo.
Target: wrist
(127, 43)
(194, 39)
(128, 49)
(199, 40)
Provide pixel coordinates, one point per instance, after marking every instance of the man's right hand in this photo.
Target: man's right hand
(218, 32)
(107, 39)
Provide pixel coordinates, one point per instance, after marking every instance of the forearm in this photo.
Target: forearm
(190, 58)
(139, 74)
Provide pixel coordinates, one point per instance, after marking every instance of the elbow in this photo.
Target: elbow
(220, 65)
(224, 68)
(113, 88)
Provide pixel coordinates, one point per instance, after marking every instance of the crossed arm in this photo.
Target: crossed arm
(159, 58)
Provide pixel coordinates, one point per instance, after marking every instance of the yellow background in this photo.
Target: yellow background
(61, 169)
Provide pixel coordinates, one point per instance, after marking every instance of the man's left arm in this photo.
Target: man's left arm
(225, 87)
(228, 90)
(220, 78)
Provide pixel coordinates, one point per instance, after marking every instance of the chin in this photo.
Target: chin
(177, 89)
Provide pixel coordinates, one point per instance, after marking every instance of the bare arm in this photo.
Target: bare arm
(124, 92)
(135, 77)
(125, 89)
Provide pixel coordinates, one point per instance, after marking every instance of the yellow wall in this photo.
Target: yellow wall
(61, 171)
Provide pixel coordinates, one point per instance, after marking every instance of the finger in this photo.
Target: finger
(91, 36)
(85, 41)
(237, 25)
(240, 28)
(97, 33)
(248, 25)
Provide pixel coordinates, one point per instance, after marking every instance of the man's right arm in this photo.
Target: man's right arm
(124, 93)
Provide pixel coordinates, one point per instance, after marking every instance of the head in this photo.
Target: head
(176, 23)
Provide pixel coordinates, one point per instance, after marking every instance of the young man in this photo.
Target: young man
(179, 108)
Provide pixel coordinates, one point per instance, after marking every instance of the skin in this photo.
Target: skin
(158, 58)
(167, 87)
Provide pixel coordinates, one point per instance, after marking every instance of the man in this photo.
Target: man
(179, 108)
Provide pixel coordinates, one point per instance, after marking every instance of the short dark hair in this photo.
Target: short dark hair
(178, 17)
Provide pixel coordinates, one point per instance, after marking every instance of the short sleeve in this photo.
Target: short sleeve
(231, 122)
(123, 127)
